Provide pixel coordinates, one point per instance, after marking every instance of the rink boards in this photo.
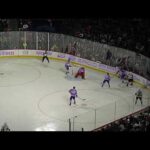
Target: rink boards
(97, 66)
(101, 102)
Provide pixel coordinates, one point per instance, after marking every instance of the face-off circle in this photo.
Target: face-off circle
(15, 74)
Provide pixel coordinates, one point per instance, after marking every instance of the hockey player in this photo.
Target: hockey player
(130, 79)
(73, 93)
(106, 79)
(118, 71)
(67, 66)
(81, 72)
(45, 56)
(122, 75)
(69, 59)
(139, 96)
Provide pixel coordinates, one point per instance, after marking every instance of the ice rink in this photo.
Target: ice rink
(34, 97)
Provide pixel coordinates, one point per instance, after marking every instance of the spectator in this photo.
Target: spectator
(66, 50)
(134, 123)
(108, 57)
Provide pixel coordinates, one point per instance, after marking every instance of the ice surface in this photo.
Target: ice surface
(35, 97)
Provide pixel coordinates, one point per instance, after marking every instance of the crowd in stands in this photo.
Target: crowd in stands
(44, 25)
(137, 122)
(131, 33)
(3, 25)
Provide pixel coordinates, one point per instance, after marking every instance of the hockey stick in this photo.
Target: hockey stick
(81, 98)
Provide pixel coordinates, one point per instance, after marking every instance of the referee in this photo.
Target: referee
(45, 56)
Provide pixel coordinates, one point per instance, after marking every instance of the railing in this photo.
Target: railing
(86, 49)
(97, 117)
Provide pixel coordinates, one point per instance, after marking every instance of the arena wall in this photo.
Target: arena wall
(96, 66)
